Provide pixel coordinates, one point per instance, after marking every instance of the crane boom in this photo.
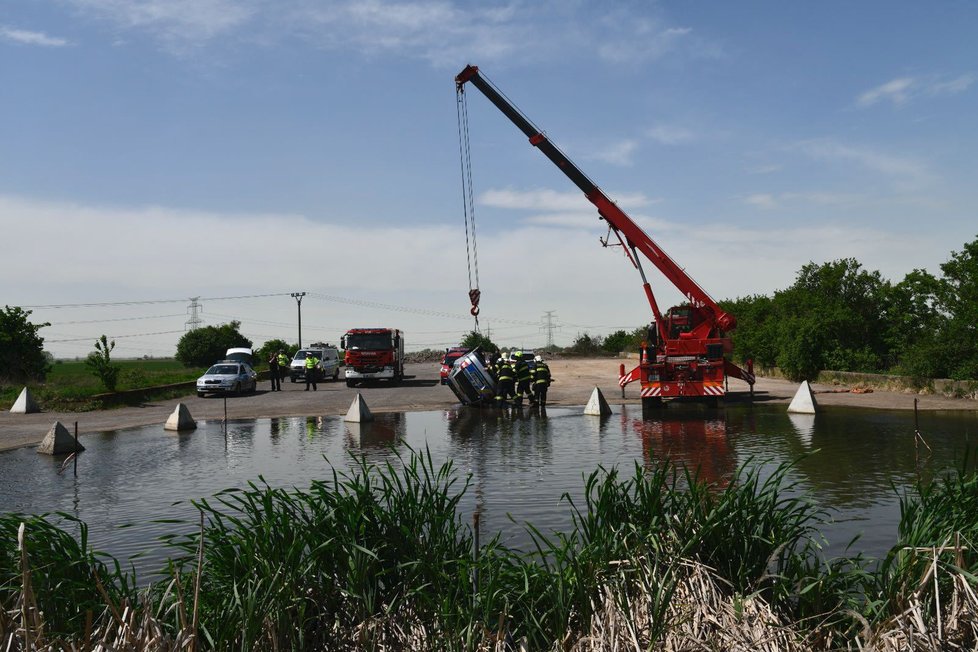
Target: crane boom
(634, 236)
(690, 344)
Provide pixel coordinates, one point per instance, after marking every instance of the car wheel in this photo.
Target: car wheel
(350, 383)
(236, 390)
(201, 394)
(336, 374)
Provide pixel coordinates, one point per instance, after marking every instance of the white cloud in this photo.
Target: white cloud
(899, 167)
(103, 254)
(26, 37)
(896, 91)
(669, 134)
(904, 89)
(177, 23)
(545, 199)
(762, 200)
(619, 153)
(951, 86)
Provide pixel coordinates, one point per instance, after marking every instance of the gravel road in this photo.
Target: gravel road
(574, 379)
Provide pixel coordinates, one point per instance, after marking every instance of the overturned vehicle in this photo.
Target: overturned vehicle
(471, 381)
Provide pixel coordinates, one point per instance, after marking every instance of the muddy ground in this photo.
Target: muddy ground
(574, 381)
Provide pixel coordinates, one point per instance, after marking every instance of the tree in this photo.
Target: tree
(586, 344)
(274, 346)
(474, 339)
(22, 356)
(99, 362)
(201, 347)
(833, 317)
(617, 342)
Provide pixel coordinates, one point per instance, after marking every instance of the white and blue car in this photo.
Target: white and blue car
(227, 377)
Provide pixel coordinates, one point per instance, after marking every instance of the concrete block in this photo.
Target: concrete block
(59, 441)
(597, 405)
(25, 403)
(804, 400)
(180, 419)
(358, 412)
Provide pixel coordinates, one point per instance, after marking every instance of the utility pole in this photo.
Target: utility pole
(298, 300)
(194, 322)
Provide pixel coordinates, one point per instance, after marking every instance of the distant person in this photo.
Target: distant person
(283, 361)
(312, 371)
(541, 381)
(275, 372)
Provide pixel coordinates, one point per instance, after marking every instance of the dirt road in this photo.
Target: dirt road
(574, 381)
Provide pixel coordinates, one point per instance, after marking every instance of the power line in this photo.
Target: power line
(111, 337)
(147, 302)
(101, 321)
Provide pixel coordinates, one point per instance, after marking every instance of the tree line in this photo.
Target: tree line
(842, 317)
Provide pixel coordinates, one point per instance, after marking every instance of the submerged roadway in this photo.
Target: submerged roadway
(574, 380)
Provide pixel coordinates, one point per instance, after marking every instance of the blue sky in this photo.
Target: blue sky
(157, 150)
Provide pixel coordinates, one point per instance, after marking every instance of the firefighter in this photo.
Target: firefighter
(541, 381)
(312, 371)
(273, 373)
(523, 378)
(504, 383)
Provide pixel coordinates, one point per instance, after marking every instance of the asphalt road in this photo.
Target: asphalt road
(574, 380)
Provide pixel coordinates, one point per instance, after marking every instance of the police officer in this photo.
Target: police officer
(523, 377)
(274, 373)
(312, 370)
(504, 382)
(541, 381)
(283, 363)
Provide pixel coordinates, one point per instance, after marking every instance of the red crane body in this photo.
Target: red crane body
(687, 352)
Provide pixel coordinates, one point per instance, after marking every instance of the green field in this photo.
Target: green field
(71, 384)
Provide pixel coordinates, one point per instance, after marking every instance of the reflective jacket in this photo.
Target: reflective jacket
(541, 373)
(522, 370)
(311, 362)
(283, 360)
(505, 372)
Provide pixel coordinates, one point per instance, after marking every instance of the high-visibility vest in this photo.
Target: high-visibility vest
(283, 361)
(311, 362)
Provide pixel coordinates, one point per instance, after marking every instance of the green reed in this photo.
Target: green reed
(379, 557)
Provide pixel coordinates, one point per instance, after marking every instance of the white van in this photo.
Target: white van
(329, 363)
(241, 355)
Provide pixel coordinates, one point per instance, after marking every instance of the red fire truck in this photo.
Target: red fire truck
(373, 353)
(686, 353)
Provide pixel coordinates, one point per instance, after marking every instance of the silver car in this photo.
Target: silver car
(227, 377)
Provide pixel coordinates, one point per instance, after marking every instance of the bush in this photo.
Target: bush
(201, 347)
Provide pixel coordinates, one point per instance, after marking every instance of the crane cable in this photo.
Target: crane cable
(468, 202)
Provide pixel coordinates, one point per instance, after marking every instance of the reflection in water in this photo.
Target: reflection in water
(804, 425)
(520, 463)
(382, 432)
(698, 441)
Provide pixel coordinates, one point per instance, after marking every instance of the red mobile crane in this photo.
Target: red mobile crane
(685, 353)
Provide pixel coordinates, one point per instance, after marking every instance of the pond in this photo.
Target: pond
(851, 462)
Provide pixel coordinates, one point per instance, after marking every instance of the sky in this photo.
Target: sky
(239, 151)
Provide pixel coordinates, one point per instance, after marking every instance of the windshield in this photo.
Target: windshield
(302, 355)
(223, 370)
(369, 342)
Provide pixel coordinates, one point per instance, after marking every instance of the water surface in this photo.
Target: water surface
(852, 462)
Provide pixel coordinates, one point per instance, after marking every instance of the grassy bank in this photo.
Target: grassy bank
(381, 559)
(71, 385)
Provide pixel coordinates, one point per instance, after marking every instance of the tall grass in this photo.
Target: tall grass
(379, 558)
